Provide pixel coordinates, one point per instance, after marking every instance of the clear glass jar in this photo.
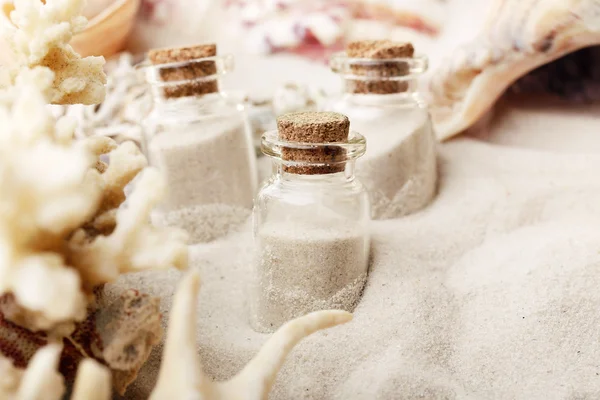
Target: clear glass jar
(202, 143)
(311, 235)
(399, 168)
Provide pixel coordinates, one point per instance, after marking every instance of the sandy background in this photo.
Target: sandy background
(488, 293)
(491, 292)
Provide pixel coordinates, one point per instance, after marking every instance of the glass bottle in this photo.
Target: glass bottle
(381, 99)
(311, 232)
(200, 138)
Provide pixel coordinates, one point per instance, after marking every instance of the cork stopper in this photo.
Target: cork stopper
(196, 68)
(379, 50)
(314, 127)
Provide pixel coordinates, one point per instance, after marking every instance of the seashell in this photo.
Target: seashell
(105, 35)
(517, 37)
(95, 7)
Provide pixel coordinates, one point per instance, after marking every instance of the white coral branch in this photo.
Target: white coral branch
(257, 378)
(41, 380)
(40, 37)
(42, 199)
(134, 245)
(181, 375)
(127, 100)
(65, 223)
(92, 382)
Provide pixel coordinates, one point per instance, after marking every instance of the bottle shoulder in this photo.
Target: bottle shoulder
(381, 120)
(408, 100)
(195, 109)
(312, 204)
(297, 187)
(374, 107)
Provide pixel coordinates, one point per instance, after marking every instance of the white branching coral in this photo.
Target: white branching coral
(40, 36)
(127, 100)
(43, 197)
(181, 375)
(41, 380)
(65, 223)
(134, 245)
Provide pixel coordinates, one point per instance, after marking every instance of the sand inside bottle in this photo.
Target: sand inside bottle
(212, 179)
(301, 269)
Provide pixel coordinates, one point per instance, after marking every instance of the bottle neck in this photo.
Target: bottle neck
(332, 179)
(340, 156)
(405, 88)
(192, 106)
(189, 87)
(406, 99)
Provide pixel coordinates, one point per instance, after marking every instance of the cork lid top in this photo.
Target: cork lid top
(379, 49)
(179, 54)
(313, 143)
(313, 127)
(192, 65)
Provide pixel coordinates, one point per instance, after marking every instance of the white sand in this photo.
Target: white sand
(212, 178)
(301, 268)
(491, 292)
(204, 223)
(206, 163)
(559, 125)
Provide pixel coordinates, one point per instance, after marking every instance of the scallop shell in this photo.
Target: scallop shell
(519, 36)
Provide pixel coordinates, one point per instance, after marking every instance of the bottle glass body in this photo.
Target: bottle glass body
(399, 167)
(202, 144)
(312, 240)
